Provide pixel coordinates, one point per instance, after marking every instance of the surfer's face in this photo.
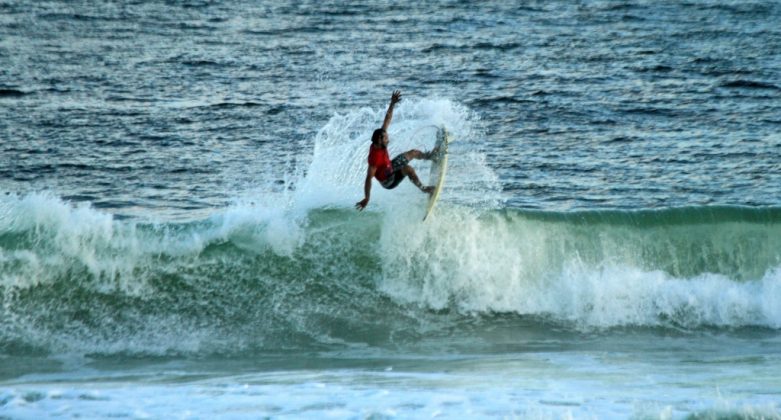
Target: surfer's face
(380, 138)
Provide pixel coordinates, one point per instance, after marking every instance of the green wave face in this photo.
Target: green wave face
(75, 279)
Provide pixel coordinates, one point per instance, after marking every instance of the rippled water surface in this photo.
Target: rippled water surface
(590, 105)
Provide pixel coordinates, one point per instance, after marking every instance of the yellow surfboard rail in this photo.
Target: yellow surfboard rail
(438, 168)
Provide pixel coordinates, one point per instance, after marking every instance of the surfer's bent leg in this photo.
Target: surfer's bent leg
(401, 169)
(410, 172)
(414, 154)
(417, 154)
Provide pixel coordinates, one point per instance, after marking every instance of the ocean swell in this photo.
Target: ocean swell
(248, 278)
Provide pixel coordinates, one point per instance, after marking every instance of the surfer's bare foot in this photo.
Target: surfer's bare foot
(428, 190)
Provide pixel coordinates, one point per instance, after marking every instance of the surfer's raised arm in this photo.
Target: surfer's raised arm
(395, 98)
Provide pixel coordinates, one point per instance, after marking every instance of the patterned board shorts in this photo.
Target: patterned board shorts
(393, 180)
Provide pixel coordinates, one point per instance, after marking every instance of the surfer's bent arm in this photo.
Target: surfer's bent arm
(367, 188)
(395, 98)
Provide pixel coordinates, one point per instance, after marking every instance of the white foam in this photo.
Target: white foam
(259, 222)
(535, 386)
(63, 234)
(479, 262)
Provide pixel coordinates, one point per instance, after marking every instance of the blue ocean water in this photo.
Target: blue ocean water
(178, 238)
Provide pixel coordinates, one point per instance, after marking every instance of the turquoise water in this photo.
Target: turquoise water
(178, 238)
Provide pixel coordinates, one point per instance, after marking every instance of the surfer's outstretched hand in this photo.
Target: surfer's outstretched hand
(428, 190)
(362, 204)
(396, 97)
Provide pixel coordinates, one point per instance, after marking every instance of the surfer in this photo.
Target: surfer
(390, 172)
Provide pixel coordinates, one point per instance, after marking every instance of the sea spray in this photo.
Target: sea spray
(685, 267)
(336, 173)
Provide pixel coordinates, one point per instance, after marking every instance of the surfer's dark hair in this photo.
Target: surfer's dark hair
(377, 135)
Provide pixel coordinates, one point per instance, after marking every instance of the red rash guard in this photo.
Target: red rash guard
(379, 158)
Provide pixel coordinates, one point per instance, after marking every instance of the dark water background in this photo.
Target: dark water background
(580, 105)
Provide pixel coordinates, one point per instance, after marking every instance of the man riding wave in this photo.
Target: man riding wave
(390, 172)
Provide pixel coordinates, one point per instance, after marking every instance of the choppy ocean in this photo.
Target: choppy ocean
(178, 237)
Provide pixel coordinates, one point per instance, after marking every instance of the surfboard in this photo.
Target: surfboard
(438, 168)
